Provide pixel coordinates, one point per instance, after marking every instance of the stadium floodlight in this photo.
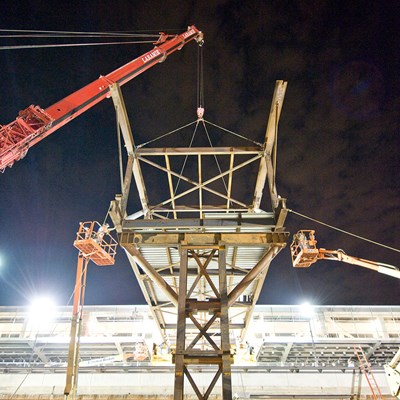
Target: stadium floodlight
(42, 310)
(306, 309)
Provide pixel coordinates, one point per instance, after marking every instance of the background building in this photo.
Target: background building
(301, 351)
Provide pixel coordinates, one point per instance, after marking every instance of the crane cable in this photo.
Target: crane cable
(343, 231)
(200, 110)
(200, 81)
(40, 46)
(234, 133)
(216, 158)
(186, 157)
(165, 135)
(33, 32)
(201, 107)
(30, 34)
(194, 122)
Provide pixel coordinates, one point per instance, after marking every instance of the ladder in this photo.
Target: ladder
(365, 366)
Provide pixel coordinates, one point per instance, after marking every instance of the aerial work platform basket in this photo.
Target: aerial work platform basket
(95, 242)
(303, 249)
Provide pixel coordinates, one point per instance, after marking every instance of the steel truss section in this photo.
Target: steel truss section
(208, 347)
(201, 249)
(195, 288)
(211, 198)
(155, 260)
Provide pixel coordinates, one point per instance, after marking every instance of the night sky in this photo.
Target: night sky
(338, 145)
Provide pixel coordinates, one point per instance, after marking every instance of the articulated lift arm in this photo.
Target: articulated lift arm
(304, 253)
(392, 371)
(34, 124)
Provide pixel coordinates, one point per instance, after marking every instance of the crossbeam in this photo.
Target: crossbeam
(194, 151)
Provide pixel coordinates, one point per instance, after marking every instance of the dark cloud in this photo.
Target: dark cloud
(338, 151)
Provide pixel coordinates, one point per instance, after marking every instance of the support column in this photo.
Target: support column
(216, 352)
(73, 350)
(181, 327)
(225, 345)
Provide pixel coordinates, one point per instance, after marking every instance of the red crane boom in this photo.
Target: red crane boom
(33, 124)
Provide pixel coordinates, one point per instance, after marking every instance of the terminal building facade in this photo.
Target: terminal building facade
(287, 352)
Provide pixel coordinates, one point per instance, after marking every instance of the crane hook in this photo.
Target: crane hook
(200, 113)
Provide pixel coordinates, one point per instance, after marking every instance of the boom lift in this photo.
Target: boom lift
(304, 253)
(34, 123)
(95, 243)
(392, 371)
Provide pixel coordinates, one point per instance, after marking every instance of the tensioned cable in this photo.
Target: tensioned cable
(43, 35)
(78, 32)
(215, 157)
(186, 157)
(191, 123)
(343, 231)
(38, 46)
(19, 33)
(185, 160)
(234, 133)
(165, 134)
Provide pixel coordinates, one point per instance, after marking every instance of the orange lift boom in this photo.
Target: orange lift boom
(34, 123)
(94, 243)
(304, 253)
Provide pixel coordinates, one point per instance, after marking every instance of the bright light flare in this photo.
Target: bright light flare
(306, 309)
(42, 310)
